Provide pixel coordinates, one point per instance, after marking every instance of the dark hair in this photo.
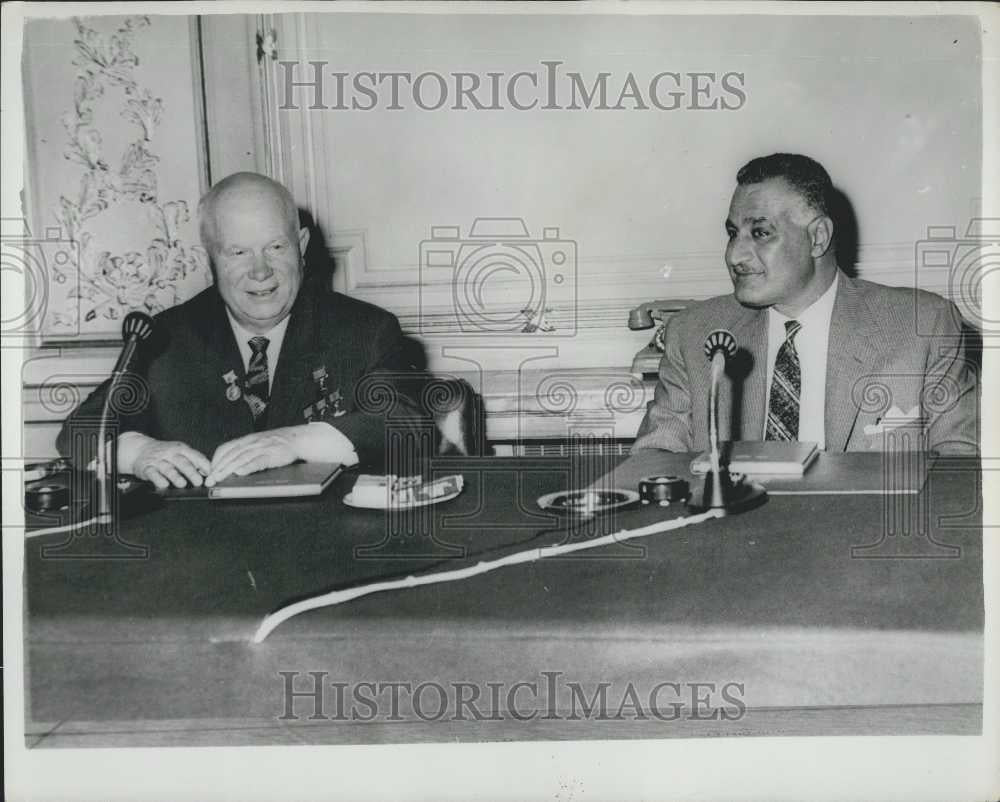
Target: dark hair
(805, 175)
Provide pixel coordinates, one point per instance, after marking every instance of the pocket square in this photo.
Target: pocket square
(893, 419)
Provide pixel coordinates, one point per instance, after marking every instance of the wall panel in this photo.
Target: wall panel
(889, 105)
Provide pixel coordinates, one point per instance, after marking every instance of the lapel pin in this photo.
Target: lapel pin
(338, 404)
(319, 376)
(233, 392)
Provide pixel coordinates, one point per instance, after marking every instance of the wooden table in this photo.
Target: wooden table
(770, 604)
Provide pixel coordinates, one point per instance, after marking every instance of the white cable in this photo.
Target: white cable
(281, 615)
(55, 529)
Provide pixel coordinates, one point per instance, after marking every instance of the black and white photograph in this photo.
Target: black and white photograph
(566, 401)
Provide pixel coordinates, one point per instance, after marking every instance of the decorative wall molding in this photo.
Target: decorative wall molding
(110, 284)
(122, 240)
(116, 165)
(350, 257)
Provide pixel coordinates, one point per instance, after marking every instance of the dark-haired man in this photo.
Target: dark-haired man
(823, 357)
(257, 371)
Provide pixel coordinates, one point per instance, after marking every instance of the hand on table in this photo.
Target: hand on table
(254, 452)
(169, 462)
(313, 442)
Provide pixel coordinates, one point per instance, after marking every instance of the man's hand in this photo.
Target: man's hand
(169, 462)
(312, 442)
(254, 452)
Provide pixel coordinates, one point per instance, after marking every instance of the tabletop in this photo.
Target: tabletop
(812, 614)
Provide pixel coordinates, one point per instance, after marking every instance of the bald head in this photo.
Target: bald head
(236, 188)
(249, 226)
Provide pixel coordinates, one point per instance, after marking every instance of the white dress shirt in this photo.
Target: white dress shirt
(811, 344)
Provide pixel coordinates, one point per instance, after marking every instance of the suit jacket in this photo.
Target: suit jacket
(889, 347)
(183, 392)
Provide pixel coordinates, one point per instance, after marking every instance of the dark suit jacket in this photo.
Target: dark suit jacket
(889, 347)
(193, 347)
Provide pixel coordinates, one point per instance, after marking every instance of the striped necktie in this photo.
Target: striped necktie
(257, 392)
(786, 387)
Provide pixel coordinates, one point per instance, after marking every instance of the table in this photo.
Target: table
(757, 624)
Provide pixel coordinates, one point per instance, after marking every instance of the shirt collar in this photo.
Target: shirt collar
(815, 316)
(243, 335)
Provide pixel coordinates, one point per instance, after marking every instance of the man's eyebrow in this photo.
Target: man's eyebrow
(748, 220)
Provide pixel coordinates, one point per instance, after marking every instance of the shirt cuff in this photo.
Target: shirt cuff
(129, 445)
(326, 443)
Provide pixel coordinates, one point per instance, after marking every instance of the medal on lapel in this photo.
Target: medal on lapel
(233, 392)
(338, 404)
(319, 378)
(326, 403)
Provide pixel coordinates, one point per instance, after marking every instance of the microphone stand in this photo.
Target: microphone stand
(719, 492)
(717, 500)
(136, 328)
(106, 466)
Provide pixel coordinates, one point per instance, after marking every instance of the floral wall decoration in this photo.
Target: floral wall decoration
(127, 173)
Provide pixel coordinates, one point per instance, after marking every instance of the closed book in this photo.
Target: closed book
(298, 479)
(767, 457)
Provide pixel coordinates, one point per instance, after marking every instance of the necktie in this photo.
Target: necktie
(257, 392)
(786, 387)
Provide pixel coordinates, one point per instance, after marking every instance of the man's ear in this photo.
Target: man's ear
(303, 240)
(821, 235)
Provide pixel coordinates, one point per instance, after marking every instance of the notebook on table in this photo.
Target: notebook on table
(823, 473)
(767, 457)
(295, 480)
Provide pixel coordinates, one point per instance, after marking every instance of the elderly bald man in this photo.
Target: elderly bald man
(257, 371)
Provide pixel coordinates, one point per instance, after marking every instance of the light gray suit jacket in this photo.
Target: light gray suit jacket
(889, 348)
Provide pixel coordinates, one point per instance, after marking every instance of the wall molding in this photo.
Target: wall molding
(112, 142)
(232, 93)
(607, 288)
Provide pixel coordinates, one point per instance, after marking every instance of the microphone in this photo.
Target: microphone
(719, 346)
(136, 328)
(720, 341)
